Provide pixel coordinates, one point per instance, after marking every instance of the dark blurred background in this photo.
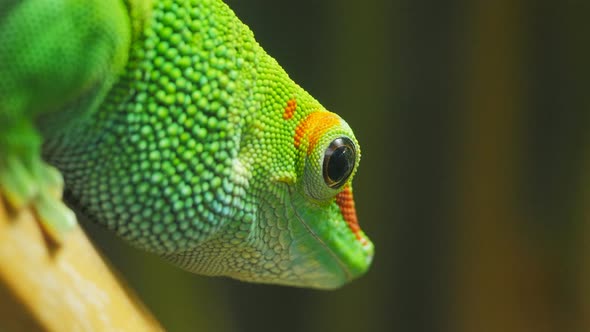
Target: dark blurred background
(474, 185)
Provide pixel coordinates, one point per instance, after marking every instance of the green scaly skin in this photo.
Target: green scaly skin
(172, 127)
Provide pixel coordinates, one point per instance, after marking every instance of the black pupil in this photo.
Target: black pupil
(338, 162)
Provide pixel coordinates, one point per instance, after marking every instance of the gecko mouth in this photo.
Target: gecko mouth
(323, 244)
(347, 252)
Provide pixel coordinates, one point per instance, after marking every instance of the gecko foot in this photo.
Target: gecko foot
(26, 180)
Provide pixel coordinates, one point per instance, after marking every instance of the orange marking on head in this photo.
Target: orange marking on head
(313, 127)
(290, 109)
(345, 201)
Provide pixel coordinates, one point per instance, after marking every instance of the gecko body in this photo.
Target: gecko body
(173, 128)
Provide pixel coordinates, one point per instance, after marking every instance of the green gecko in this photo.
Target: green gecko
(173, 128)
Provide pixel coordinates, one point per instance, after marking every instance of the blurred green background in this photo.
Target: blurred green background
(474, 118)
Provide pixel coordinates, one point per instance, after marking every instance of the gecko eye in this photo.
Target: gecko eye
(339, 159)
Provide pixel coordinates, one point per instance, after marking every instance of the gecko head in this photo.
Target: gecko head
(332, 246)
(306, 232)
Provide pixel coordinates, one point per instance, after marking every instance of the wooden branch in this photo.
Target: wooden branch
(60, 288)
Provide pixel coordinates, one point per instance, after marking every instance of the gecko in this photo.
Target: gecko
(167, 123)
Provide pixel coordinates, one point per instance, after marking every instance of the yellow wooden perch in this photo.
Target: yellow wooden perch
(66, 288)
